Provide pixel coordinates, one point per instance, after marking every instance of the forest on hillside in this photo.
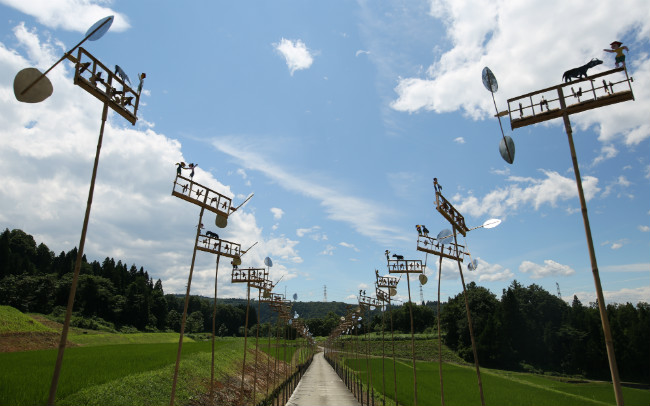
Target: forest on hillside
(527, 328)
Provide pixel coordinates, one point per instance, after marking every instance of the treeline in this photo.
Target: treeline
(109, 294)
(533, 330)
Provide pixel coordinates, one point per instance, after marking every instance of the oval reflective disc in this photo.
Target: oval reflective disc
(39, 91)
(489, 80)
(446, 236)
(423, 279)
(101, 26)
(507, 149)
(221, 221)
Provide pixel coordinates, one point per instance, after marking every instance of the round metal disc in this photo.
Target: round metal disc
(266, 294)
(268, 262)
(393, 291)
(472, 265)
(507, 149)
(423, 279)
(295, 296)
(489, 80)
(221, 221)
(40, 91)
(236, 261)
(100, 32)
(491, 223)
(446, 236)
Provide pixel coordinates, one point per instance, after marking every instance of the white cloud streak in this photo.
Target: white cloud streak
(364, 216)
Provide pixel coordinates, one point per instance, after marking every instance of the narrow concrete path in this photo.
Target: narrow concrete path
(321, 386)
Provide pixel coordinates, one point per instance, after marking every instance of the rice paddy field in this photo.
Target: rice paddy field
(499, 387)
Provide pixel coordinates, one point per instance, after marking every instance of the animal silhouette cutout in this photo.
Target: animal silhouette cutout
(580, 72)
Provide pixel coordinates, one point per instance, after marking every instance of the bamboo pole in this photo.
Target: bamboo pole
(609, 342)
(214, 322)
(243, 368)
(469, 322)
(415, 377)
(184, 319)
(77, 265)
(442, 388)
(392, 339)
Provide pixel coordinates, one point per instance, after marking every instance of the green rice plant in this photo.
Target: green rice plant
(26, 376)
(116, 339)
(460, 386)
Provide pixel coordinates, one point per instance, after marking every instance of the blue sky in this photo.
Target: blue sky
(337, 115)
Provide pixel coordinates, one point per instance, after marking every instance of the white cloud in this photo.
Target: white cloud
(459, 140)
(277, 213)
(624, 295)
(301, 232)
(489, 33)
(615, 244)
(74, 15)
(550, 268)
(329, 250)
(485, 272)
(295, 53)
(347, 245)
(364, 216)
(360, 52)
(47, 150)
(620, 183)
(607, 151)
(644, 229)
(640, 267)
(535, 192)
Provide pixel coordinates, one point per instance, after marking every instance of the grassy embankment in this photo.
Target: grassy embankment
(112, 369)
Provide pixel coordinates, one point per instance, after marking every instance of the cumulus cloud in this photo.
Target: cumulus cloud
(624, 295)
(485, 272)
(526, 191)
(47, 152)
(459, 140)
(73, 15)
(489, 33)
(295, 53)
(644, 229)
(550, 268)
(277, 213)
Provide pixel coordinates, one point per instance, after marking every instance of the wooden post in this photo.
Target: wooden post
(184, 319)
(469, 322)
(243, 368)
(609, 342)
(214, 322)
(442, 388)
(77, 265)
(415, 377)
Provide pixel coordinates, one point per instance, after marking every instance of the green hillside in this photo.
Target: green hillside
(13, 321)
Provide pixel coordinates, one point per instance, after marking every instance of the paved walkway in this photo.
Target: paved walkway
(321, 386)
